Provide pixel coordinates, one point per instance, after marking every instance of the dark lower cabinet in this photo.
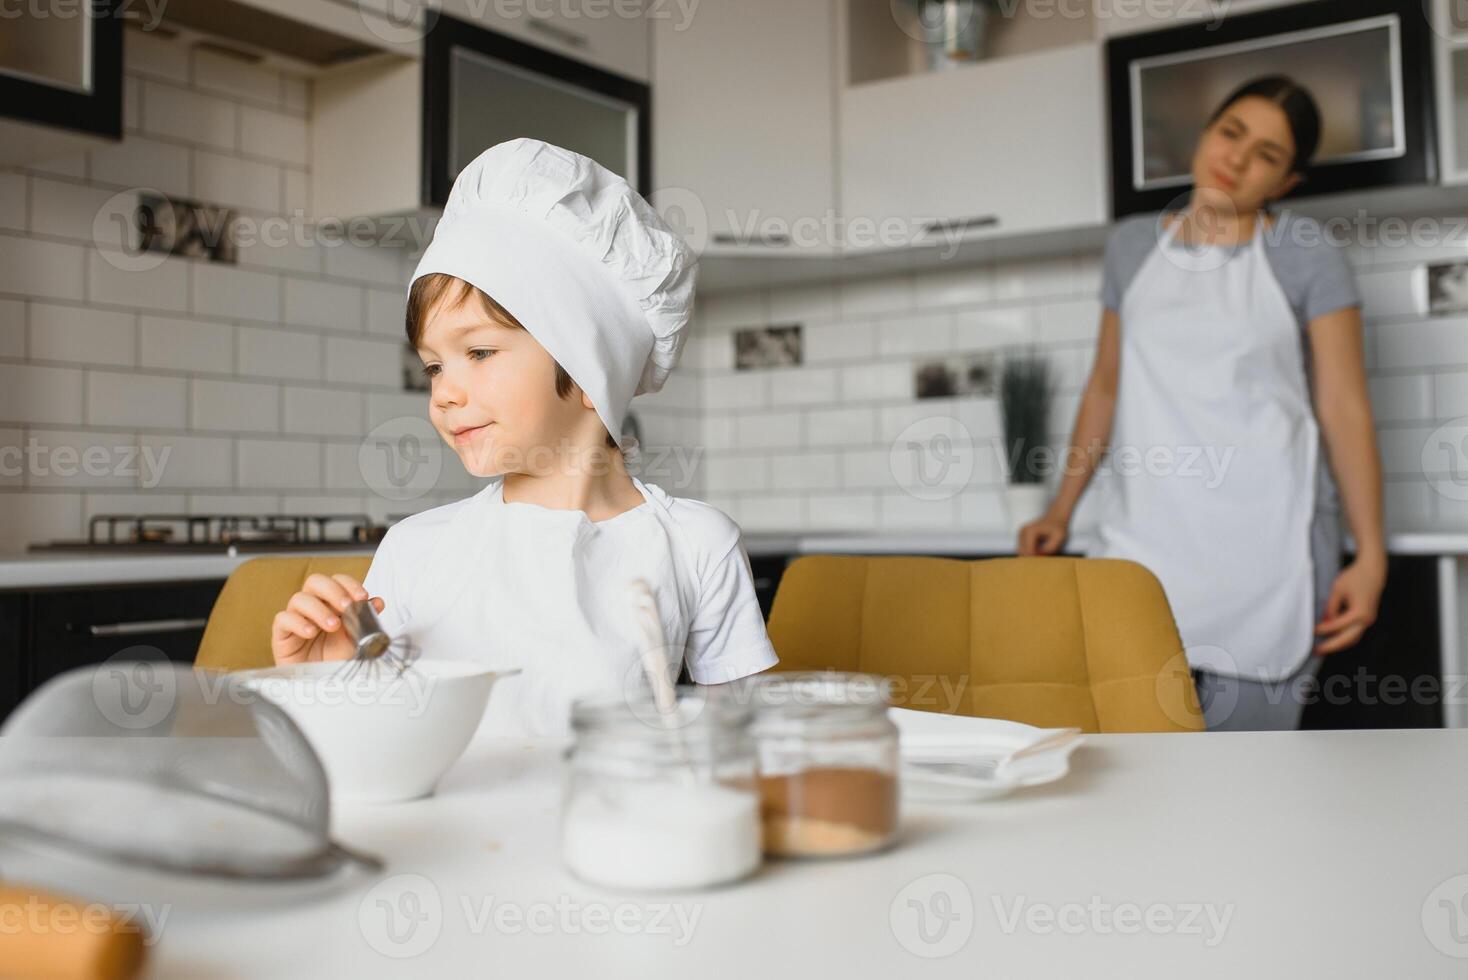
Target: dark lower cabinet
(1393, 677)
(12, 644)
(767, 571)
(46, 632)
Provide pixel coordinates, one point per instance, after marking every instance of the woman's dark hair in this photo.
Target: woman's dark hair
(1299, 108)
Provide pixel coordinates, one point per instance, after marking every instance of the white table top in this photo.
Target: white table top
(1318, 852)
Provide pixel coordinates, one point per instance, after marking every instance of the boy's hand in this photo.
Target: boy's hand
(309, 628)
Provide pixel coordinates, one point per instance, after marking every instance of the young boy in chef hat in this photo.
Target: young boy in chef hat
(550, 295)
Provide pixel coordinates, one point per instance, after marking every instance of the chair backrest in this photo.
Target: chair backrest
(1046, 641)
(237, 636)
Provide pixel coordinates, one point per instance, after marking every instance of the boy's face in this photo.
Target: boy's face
(493, 393)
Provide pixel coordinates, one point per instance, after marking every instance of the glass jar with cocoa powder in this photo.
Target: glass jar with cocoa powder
(828, 763)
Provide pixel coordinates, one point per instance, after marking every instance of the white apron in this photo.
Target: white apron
(547, 591)
(1214, 449)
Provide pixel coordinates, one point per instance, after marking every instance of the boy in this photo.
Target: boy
(550, 295)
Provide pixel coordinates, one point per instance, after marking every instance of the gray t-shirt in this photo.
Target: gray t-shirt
(1313, 272)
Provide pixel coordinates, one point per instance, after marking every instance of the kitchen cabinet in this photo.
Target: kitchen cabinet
(12, 643)
(1368, 65)
(1117, 17)
(1450, 30)
(610, 34)
(420, 121)
(1393, 678)
(45, 632)
(998, 148)
(60, 80)
(308, 33)
(744, 149)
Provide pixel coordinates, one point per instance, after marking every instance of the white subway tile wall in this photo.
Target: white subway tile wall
(196, 386)
(255, 387)
(785, 450)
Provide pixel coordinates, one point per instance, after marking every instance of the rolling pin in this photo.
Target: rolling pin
(44, 936)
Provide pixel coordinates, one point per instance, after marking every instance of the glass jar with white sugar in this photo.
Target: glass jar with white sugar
(661, 803)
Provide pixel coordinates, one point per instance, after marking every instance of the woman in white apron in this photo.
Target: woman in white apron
(1230, 344)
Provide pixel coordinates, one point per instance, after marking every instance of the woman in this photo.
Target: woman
(1221, 324)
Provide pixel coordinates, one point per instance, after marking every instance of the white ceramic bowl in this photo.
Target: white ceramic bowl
(383, 739)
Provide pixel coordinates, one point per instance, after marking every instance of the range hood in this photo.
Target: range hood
(319, 33)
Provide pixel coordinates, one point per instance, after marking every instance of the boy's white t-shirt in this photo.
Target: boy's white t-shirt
(548, 591)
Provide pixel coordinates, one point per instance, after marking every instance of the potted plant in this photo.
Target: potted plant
(1026, 389)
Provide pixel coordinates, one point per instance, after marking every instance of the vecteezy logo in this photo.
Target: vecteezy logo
(117, 234)
(132, 690)
(933, 458)
(399, 21)
(401, 916)
(1218, 697)
(933, 917)
(1445, 917)
(401, 458)
(683, 212)
(1445, 459)
(1448, 20)
(1200, 246)
(921, 21)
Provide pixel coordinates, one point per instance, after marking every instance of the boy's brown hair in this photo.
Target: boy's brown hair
(428, 291)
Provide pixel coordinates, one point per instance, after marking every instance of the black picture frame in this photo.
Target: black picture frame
(95, 113)
(447, 33)
(1417, 166)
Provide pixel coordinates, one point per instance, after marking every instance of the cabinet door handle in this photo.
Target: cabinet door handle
(147, 626)
(774, 240)
(962, 224)
(565, 36)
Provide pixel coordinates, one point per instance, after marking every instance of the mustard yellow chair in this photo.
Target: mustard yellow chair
(237, 636)
(1046, 641)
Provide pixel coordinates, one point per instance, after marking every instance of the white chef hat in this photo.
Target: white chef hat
(579, 259)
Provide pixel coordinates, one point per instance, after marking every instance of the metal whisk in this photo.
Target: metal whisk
(376, 651)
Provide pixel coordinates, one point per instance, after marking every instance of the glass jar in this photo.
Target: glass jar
(653, 804)
(828, 762)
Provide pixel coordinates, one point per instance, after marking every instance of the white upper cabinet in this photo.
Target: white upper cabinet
(607, 34)
(1001, 147)
(743, 124)
(1450, 26)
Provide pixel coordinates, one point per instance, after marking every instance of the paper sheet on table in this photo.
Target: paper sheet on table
(934, 735)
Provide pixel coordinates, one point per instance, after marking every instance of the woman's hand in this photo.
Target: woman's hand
(310, 627)
(1351, 608)
(1043, 537)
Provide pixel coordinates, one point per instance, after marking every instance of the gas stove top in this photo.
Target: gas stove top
(223, 533)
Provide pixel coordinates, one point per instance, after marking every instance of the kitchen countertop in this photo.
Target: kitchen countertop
(40, 570)
(1453, 543)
